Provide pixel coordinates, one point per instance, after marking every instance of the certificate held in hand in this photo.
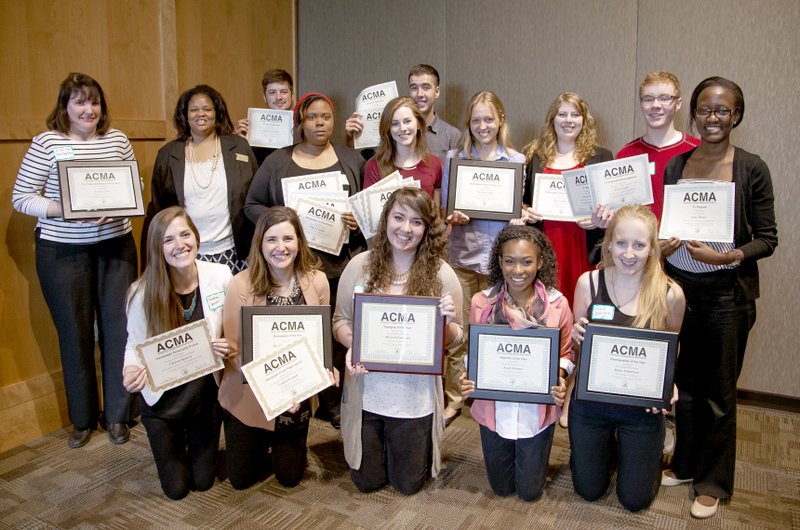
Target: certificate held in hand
(485, 189)
(103, 188)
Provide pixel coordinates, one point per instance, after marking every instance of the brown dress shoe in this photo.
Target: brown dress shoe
(118, 433)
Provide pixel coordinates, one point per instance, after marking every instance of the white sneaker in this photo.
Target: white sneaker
(668, 478)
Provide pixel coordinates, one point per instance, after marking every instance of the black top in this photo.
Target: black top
(603, 299)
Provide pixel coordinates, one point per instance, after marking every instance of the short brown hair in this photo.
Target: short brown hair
(76, 82)
(278, 75)
(424, 69)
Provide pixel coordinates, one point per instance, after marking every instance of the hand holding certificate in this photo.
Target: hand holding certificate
(287, 376)
(700, 210)
(370, 103)
(394, 333)
(103, 188)
(550, 199)
(270, 128)
(178, 356)
(620, 182)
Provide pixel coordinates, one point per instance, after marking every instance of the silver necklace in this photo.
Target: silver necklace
(614, 290)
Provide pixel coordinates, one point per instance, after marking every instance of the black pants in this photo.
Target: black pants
(248, 456)
(517, 465)
(395, 451)
(79, 283)
(713, 341)
(185, 451)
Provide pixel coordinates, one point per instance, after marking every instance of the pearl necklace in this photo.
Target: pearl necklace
(400, 279)
(203, 190)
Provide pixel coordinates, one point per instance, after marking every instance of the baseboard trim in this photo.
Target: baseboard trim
(768, 401)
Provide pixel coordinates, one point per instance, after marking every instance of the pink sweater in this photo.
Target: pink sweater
(557, 315)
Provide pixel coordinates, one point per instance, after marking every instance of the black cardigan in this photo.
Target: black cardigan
(755, 231)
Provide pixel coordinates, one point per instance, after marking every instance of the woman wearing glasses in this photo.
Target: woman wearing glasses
(721, 284)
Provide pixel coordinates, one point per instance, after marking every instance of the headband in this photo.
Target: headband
(305, 97)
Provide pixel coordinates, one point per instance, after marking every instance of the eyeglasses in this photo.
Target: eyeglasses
(664, 99)
(721, 112)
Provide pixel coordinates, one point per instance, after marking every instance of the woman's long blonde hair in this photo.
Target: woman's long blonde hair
(652, 311)
(161, 303)
(545, 146)
(503, 130)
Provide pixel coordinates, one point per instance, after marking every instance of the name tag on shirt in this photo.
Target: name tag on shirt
(215, 300)
(64, 152)
(242, 158)
(603, 312)
(652, 168)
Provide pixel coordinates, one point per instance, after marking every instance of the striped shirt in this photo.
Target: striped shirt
(37, 184)
(681, 259)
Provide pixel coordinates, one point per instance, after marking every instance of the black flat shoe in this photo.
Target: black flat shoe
(118, 433)
(79, 438)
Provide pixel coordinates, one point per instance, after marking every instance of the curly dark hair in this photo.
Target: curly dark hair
(423, 279)
(548, 267)
(223, 124)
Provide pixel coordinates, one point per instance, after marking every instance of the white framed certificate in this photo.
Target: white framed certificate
(627, 366)
(550, 199)
(699, 210)
(370, 103)
(513, 365)
(270, 128)
(485, 189)
(323, 226)
(100, 188)
(285, 377)
(178, 356)
(393, 333)
(580, 196)
(313, 183)
(620, 182)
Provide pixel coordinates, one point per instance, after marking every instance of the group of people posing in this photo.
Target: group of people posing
(218, 237)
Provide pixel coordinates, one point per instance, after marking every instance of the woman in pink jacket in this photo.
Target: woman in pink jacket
(516, 437)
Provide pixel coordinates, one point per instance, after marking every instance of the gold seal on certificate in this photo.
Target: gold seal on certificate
(700, 210)
(550, 199)
(402, 334)
(270, 128)
(485, 190)
(621, 182)
(287, 376)
(101, 188)
(267, 329)
(627, 366)
(178, 356)
(513, 365)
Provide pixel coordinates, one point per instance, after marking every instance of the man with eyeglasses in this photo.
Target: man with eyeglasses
(660, 98)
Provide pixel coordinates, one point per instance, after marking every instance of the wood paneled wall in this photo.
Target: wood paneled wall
(143, 53)
(528, 51)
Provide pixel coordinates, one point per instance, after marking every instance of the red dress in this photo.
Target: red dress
(569, 243)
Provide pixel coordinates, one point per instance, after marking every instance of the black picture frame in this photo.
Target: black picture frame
(587, 365)
(483, 166)
(550, 335)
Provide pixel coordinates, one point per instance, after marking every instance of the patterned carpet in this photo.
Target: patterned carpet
(44, 484)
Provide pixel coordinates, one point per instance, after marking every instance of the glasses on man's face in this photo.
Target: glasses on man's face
(664, 99)
(721, 112)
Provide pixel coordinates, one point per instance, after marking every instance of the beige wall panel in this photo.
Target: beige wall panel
(228, 44)
(345, 46)
(756, 44)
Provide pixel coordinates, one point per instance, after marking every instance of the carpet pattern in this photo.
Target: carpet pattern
(46, 485)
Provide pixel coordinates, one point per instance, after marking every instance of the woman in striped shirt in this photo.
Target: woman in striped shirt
(84, 268)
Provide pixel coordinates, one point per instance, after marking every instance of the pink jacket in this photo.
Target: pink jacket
(557, 315)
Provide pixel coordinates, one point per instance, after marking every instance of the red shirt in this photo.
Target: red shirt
(658, 156)
(428, 172)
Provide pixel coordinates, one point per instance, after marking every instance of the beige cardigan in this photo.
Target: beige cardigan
(235, 397)
(353, 392)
